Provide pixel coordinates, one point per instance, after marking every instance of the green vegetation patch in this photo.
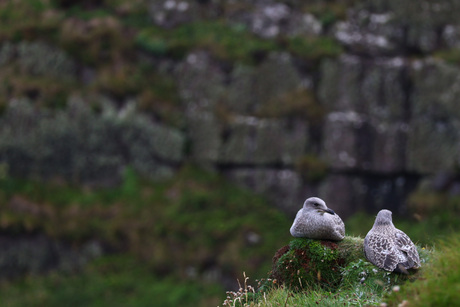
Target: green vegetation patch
(329, 12)
(230, 42)
(226, 42)
(439, 284)
(108, 281)
(192, 220)
(308, 263)
(363, 276)
(353, 280)
(27, 20)
(314, 48)
(451, 56)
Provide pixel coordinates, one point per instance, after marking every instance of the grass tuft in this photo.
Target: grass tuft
(439, 284)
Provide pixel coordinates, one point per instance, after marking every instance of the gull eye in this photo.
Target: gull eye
(316, 204)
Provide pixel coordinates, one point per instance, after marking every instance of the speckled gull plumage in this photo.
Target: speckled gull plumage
(316, 221)
(388, 247)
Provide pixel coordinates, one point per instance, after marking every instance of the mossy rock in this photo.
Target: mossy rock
(306, 262)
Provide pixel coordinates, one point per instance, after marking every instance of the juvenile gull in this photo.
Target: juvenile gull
(316, 221)
(388, 247)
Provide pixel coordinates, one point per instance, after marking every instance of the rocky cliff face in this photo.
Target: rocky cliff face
(354, 102)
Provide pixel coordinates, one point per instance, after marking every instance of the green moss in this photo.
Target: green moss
(223, 41)
(24, 19)
(86, 14)
(314, 265)
(314, 48)
(152, 41)
(329, 12)
(229, 42)
(309, 264)
(351, 248)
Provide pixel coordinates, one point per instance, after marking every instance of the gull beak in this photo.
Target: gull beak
(330, 211)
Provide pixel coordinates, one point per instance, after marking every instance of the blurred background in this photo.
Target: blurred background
(151, 151)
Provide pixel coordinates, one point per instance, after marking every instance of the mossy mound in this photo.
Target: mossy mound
(308, 264)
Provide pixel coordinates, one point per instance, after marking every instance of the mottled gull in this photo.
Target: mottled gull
(388, 247)
(316, 221)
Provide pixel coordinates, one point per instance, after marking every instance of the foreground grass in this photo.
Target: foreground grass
(440, 281)
(436, 284)
(281, 296)
(360, 284)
